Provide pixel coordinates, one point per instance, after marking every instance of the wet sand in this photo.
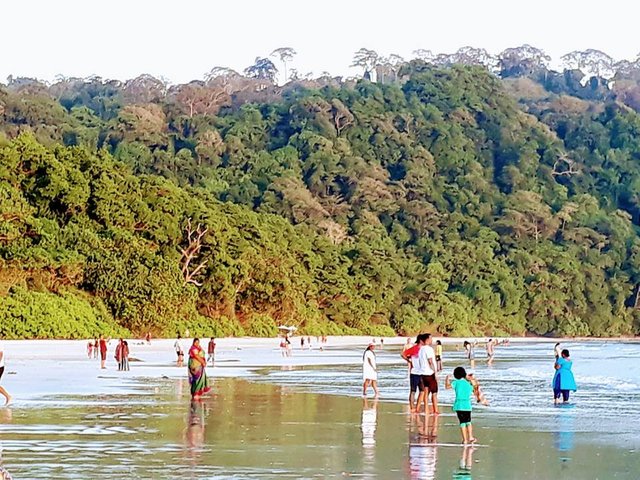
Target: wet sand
(72, 420)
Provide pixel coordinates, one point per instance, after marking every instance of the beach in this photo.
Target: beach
(303, 417)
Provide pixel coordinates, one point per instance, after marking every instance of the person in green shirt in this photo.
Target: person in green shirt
(462, 405)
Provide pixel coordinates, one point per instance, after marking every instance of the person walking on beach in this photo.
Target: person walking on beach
(3, 392)
(211, 350)
(462, 404)
(412, 357)
(563, 381)
(468, 348)
(557, 350)
(90, 348)
(197, 374)
(438, 350)
(429, 378)
(369, 370)
(102, 345)
(301, 343)
(177, 346)
(96, 347)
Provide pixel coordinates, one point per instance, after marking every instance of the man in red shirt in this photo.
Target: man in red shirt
(102, 344)
(411, 356)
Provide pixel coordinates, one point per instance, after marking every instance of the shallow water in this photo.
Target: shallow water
(305, 422)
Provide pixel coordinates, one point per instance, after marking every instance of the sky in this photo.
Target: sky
(182, 40)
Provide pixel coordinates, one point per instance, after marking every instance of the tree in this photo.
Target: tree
(367, 60)
(524, 60)
(285, 54)
(262, 69)
(145, 89)
(591, 62)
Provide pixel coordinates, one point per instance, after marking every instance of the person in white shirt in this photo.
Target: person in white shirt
(3, 392)
(428, 372)
(179, 351)
(411, 355)
(369, 370)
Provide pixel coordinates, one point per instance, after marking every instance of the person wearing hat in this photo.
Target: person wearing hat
(369, 370)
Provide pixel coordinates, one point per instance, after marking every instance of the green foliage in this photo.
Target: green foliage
(29, 314)
(435, 203)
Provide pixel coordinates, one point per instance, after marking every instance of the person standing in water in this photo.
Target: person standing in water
(412, 357)
(438, 350)
(118, 355)
(563, 381)
(102, 343)
(3, 392)
(369, 370)
(197, 375)
(179, 351)
(211, 350)
(462, 405)
(125, 355)
(490, 351)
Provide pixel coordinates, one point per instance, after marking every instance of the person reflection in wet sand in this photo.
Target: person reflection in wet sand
(195, 426)
(423, 453)
(466, 461)
(369, 420)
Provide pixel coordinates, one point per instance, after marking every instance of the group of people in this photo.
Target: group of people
(122, 355)
(99, 346)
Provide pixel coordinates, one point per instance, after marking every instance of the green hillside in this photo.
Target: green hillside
(447, 200)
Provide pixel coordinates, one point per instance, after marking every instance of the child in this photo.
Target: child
(439, 354)
(125, 355)
(462, 404)
(477, 389)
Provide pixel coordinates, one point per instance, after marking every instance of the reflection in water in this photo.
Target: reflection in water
(423, 453)
(563, 437)
(368, 427)
(195, 427)
(466, 461)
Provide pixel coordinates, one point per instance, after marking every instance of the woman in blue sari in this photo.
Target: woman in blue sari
(563, 381)
(197, 375)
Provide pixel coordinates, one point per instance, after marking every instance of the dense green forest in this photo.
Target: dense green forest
(437, 194)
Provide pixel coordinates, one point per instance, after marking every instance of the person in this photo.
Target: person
(563, 380)
(3, 392)
(557, 350)
(477, 389)
(179, 351)
(309, 342)
(287, 345)
(197, 374)
(125, 355)
(429, 378)
(462, 404)
(301, 343)
(118, 355)
(468, 347)
(95, 348)
(89, 348)
(381, 342)
(102, 343)
(439, 355)
(211, 350)
(412, 357)
(148, 338)
(369, 370)
(490, 351)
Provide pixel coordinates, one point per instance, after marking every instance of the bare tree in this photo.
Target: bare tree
(590, 62)
(424, 55)
(191, 252)
(522, 61)
(569, 171)
(262, 69)
(285, 54)
(145, 89)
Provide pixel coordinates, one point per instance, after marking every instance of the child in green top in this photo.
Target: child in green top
(462, 405)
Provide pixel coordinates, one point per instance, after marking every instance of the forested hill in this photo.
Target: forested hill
(447, 200)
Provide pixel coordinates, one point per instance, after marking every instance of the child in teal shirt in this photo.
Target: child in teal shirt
(462, 405)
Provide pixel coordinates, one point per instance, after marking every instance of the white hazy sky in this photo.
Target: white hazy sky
(181, 40)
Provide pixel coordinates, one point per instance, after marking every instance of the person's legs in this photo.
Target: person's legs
(434, 403)
(365, 386)
(470, 436)
(374, 384)
(565, 396)
(6, 396)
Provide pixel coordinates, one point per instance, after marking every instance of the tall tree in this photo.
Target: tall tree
(285, 54)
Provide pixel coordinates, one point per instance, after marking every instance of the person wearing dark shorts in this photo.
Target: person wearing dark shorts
(430, 383)
(462, 404)
(412, 357)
